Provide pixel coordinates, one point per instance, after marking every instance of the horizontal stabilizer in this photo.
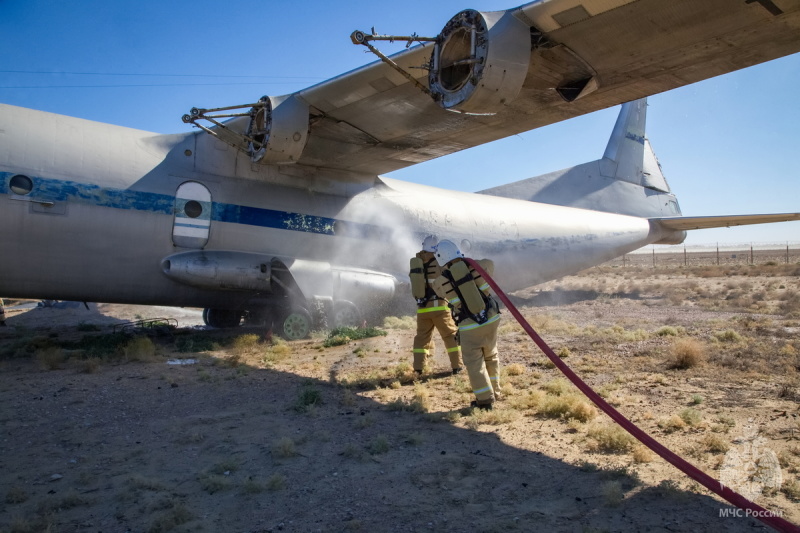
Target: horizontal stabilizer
(725, 221)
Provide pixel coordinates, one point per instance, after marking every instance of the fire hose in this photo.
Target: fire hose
(767, 517)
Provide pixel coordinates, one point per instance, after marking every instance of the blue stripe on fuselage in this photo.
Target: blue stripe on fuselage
(63, 190)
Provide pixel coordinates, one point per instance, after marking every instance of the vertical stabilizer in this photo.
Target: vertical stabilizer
(627, 180)
(624, 155)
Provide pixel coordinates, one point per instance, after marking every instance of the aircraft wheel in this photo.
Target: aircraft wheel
(346, 314)
(297, 324)
(222, 318)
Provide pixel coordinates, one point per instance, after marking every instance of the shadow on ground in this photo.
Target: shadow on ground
(157, 447)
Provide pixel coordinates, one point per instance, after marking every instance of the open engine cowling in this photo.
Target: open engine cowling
(280, 130)
(480, 61)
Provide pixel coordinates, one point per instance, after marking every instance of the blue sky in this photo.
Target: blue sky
(728, 145)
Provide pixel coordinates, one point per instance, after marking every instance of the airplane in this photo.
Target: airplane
(277, 211)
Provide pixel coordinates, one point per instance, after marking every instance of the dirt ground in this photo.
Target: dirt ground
(202, 430)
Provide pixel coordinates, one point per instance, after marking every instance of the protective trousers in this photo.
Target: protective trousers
(441, 320)
(479, 350)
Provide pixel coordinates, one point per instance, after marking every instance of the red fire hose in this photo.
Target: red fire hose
(768, 517)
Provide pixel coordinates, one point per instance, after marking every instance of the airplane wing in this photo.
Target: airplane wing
(545, 62)
(725, 221)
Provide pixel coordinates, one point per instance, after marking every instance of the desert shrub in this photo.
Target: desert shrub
(139, 349)
(246, 344)
(51, 358)
(686, 353)
(557, 387)
(343, 335)
(715, 443)
(728, 335)
(691, 416)
(672, 424)
(610, 438)
(276, 482)
(515, 369)
(309, 396)
(567, 406)
(791, 489)
(379, 445)
(612, 493)
(284, 448)
(667, 331)
(531, 399)
(643, 454)
(195, 344)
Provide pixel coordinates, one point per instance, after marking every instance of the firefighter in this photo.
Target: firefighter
(432, 311)
(2, 313)
(478, 317)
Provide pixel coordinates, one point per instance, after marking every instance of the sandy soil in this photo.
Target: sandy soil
(301, 437)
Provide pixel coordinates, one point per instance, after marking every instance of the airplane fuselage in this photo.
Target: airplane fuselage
(108, 207)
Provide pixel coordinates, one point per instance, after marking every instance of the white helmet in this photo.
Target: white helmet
(446, 251)
(430, 242)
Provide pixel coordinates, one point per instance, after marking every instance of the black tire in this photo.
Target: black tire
(222, 318)
(295, 324)
(346, 314)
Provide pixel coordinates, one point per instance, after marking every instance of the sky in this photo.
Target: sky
(728, 145)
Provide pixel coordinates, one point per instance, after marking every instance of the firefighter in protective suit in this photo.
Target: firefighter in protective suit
(478, 317)
(432, 311)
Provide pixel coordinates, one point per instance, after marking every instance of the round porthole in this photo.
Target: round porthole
(193, 209)
(20, 184)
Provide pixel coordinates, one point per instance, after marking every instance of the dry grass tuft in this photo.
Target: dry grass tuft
(284, 448)
(715, 443)
(612, 493)
(140, 349)
(495, 417)
(672, 424)
(276, 482)
(567, 406)
(400, 322)
(515, 369)
(643, 454)
(687, 353)
(51, 358)
(610, 438)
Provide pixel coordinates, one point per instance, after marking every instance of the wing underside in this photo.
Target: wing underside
(374, 120)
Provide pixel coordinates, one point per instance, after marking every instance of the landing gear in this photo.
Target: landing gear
(222, 318)
(295, 324)
(346, 314)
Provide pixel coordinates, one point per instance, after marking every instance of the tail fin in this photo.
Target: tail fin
(627, 180)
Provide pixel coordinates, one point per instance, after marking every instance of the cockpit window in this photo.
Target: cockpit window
(20, 184)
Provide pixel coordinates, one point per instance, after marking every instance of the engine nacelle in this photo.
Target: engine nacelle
(279, 129)
(480, 61)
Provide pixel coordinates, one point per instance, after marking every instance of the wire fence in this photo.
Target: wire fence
(657, 256)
